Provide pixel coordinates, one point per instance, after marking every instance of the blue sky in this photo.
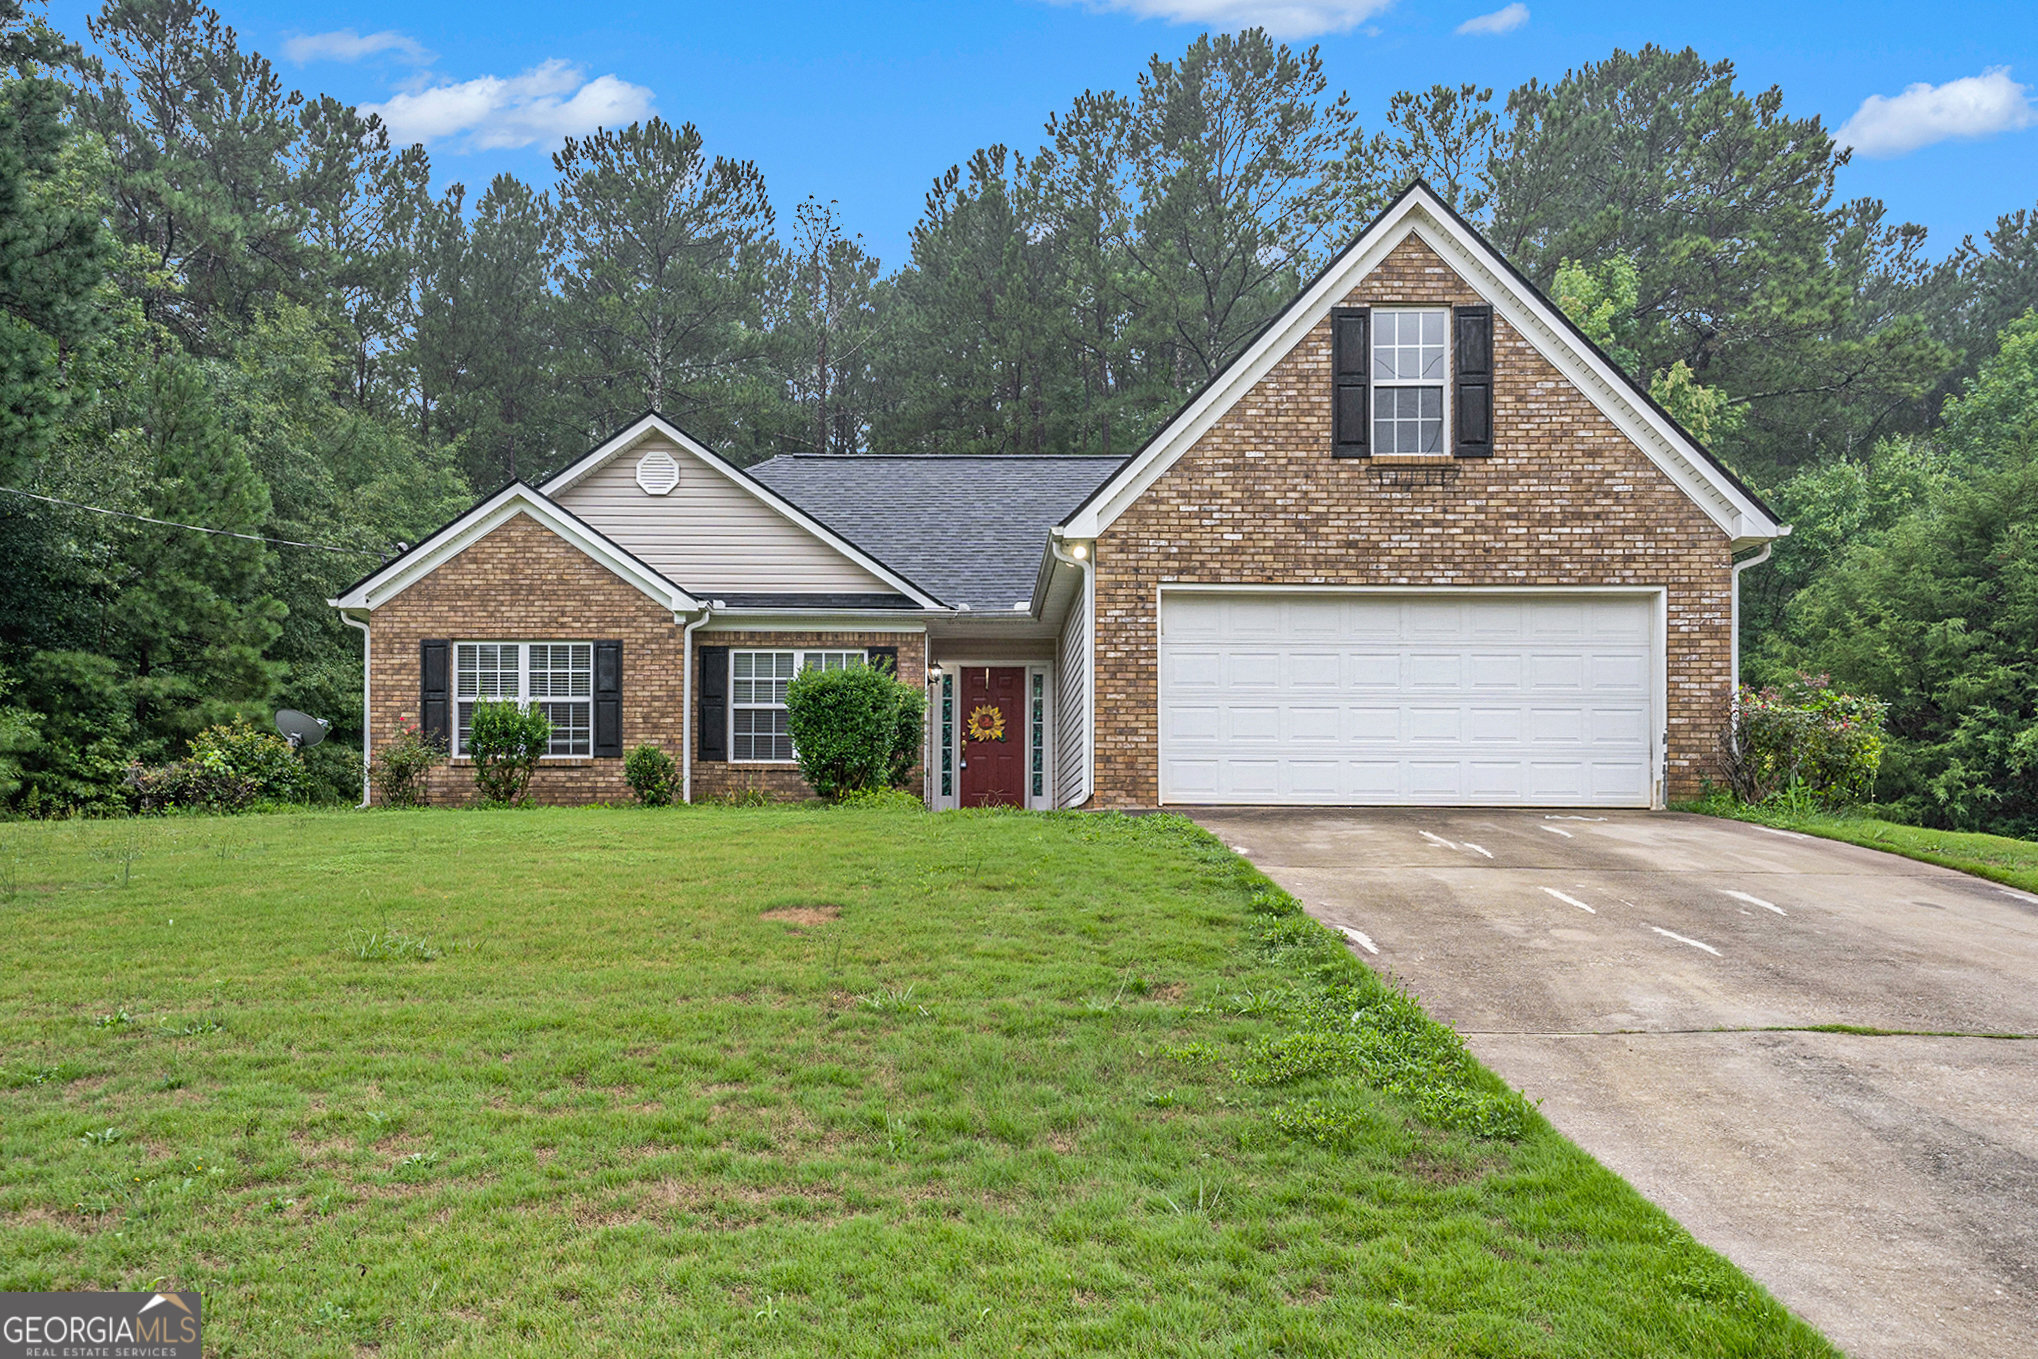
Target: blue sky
(865, 103)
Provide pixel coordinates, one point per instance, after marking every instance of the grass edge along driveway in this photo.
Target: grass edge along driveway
(778, 1081)
(1998, 858)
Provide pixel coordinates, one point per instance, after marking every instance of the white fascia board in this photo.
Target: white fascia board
(764, 495)
(1660, 440)
(492, 514)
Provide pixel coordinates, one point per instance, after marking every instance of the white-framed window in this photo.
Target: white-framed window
(555, 677)
(757, 688)
(1411, 371)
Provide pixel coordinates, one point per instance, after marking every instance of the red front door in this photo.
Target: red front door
(993, 735)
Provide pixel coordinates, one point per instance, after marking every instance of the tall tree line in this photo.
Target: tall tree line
(228, 303)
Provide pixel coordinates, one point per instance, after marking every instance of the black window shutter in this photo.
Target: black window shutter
(434, 673)
(714, 704)
(608, 700)
(1474, 346)
(885, 658)
(1350, 362)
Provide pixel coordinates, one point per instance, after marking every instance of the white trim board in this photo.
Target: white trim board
(1421, 214)
(657, 424)
(490, 515)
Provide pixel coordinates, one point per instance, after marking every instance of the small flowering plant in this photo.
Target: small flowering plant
(1804, 736)
(402, 769)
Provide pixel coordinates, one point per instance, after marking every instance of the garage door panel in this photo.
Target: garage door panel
(1316, 670)
(1434, 779)
(1315, 780)
(1497, 726)
(1434, 670)
(1253, 726)
(1431, 619)
(1317, 699)
(1496, 619)
(1376, 618)
(1618, 781)
(1432, 725)
(1618, 726)
(1500, 671)
(1315, 725)
(1495, 780)
(1370, 670)
(1186, 669)
(1373, 726)
(1612, 672)
(1183, 723)
(1313, 618)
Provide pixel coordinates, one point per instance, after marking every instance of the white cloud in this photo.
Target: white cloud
(1973, 106)
(346, 45)
(545, 103)
(1500, 21)
(1282, 18)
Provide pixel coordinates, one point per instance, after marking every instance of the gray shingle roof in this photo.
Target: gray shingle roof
(968, 530)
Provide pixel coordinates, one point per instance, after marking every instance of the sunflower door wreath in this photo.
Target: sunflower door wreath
(986, 723)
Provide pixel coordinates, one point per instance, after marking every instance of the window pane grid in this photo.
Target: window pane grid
(555, 677)
(757, 692)
(1410, 364)
(947, 735)
(1039, 733)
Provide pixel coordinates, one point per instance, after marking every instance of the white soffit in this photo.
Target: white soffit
(484, 519)
(785, 509)
(1420, 214)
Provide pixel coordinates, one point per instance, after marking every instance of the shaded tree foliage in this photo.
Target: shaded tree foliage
(237, 305)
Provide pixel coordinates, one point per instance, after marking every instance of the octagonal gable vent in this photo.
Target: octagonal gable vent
(657, 473)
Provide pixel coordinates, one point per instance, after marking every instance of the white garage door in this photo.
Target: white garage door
(1452, 699)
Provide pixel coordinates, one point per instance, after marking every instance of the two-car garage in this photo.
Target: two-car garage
(1449, 697)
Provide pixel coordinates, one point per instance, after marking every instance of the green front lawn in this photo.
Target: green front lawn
(1999, 858)
(777, 1081)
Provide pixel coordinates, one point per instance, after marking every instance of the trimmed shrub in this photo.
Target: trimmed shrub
(231, 767)
(401, 772)
(505, 740)
(851, 729)
(1804, 741)
(908, 727)
(652, 775)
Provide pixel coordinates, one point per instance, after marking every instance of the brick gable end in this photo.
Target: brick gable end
(1566, 499)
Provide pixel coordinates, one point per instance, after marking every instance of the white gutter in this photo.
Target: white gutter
(367, 712)
(686, 713)
(1734, 649)
(1081, 561)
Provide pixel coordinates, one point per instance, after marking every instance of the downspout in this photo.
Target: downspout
(1080, 559)
(1735, 648)
(686, 715)
(367, 711)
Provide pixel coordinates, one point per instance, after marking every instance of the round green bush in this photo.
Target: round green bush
(652, 775)
(505, 740)
(853, 729)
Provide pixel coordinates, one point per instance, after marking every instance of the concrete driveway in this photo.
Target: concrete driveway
(1615, 966)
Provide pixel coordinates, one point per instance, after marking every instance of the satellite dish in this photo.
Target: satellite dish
(302, 730)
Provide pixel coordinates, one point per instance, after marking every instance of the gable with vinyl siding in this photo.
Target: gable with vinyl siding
(710, 532)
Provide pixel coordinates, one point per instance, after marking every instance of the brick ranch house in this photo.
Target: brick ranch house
(1420, 542)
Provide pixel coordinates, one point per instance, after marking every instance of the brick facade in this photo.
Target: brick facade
(524, 583)
(1565, 500)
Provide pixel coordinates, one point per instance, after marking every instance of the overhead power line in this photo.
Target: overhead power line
(195, 528)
